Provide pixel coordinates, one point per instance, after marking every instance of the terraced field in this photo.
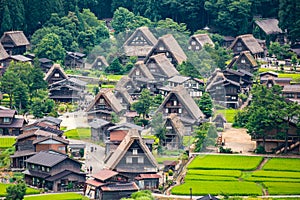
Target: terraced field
(241, 176)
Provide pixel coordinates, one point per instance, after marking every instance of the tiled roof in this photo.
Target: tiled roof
(120, 187)
(23, 153)
(291, 88)
(46, 158)
(117, 136)
(63, 174)
(8, 113)
(94, 183)
(50, 119)
(16, 123)
(98, 123)
(59, 139)
(36, 174)
(149, 176)
(104, 174)
(126, 126)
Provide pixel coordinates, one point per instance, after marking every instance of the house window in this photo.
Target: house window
(243, 61)
(43, 168)
(48, 169)
(175, 103)
(193, 43)
(128, 160)
(140, 159)
(239, 48)
(137, 72)
(56, 75)
(167, 54)
(128, 87)
(134, 151)
(61, 148)
(161, 48)
(298, 95)
(99, 63)
(189, 47)
(234, 98)
(101, 100)
(167, 110)
(239, 44)
(179, 110)
(32, 166)
(197, 47)
(6, 120)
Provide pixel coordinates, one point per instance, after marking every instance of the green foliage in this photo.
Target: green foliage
(122, 19)
(6, 24)
(115, 118)
(225, 150)
(240, 119)
(142, 195)
(16, 192)
(280, 51)
(188, 69)
(115, 67)
(205, 104)
(260, 150)
(142, 106)
(6, 142)
(225, 162)
(50, 47)
(194, 177)
(200, 134)
(229, 173)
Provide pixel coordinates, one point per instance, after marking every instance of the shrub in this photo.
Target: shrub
(260, 150)
(225, 150)
(220, 129)
(170, 172)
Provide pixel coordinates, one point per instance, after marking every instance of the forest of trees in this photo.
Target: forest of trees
(226, 17)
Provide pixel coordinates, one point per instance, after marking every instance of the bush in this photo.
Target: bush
(220, 129)
(225, 150)
(260, 150)
(171, 172)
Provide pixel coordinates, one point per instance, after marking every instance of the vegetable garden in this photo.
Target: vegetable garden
(236, 175)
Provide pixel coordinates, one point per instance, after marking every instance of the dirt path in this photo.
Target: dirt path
(263, 162)
(238, 140)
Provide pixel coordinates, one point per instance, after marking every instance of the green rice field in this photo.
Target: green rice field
(4, 186)
(235, 175)
(79, 134)
(6, 142)
(228, 114)
(62, 196)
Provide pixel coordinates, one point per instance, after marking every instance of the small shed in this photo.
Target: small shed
(220, 121)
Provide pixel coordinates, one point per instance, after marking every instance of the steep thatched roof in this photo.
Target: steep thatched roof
(143, 70)
(52, 70)
(3, 53)
(186, 100)
(100, 59)
(17, 37)
(123, 82)
(139, 49)
(202, 39)
(171, 45)
(177, 124)
(269, 26)
(217, 76)
(250, 42)
(124, 93)
(164, 64)
(132, 135)
(110, 98)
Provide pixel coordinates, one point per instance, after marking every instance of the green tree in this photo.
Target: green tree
(142, 106)
(200, 133)
(211, 137)
(50, 47)
(122, 19)
(188, 69)
(42, 107)
(21, 96)
(115, 67)
(157, 127)
(6, 24)
(16, 192)
(205, 104)
(280, 51)
(8, 85)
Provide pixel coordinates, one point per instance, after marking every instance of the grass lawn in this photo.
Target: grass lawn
(225, 162)
(218, 187)
(114, 77)
(4, 186)
(295, 77)
(79, 133)
(228, 113)
(280, 188)
(6, 142)
(283, 164)
(160, 160)
(62, 196)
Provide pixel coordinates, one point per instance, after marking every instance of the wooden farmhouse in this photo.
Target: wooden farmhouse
(108, 184)
(133, 159)
(219, 121)
(10, 124)
(100, 63)
(74, 60)
(194, 86)
(115, 135)
(291, 92)
(175, 131)
(197, 42)
(45, 64)
(56, 73)
(271, 81)
(227, 41)
(247, 43)
(180, 102)
(99, 129)
(15, 42)
(168, 46)
(244, 61)
(104, 105)
(124, 98)
(269, 30)
(244, 78)
(161, 68)
(54, 171)
(139, 43)
(67, 90)
(274, 143)
(127, 83)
